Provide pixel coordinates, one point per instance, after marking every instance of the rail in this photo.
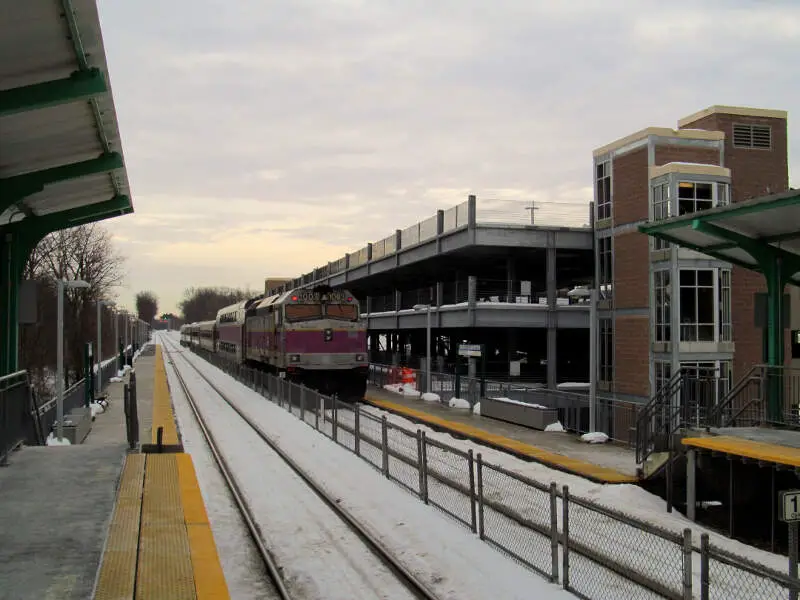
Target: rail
(16, 423)
(414, 585)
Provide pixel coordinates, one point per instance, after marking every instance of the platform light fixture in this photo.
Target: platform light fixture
(62, 285)
(427, 307)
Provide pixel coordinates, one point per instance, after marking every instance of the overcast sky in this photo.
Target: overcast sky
(265, 137)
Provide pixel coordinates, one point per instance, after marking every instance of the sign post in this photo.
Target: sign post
(789, 501)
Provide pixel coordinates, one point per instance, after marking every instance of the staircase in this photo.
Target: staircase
(657, 424)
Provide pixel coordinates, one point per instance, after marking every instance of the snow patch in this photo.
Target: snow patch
(431, 397)
(557, 426)
(458, 403)
(476, 410)
(97, 408)
(594, 437)
(406, 389)
(520, 402)
(116, 379)
(52, 440)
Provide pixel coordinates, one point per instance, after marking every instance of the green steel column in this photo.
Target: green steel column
(775, 284)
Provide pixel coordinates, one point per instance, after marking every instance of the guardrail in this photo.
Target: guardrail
(16, 406)
(592, 550)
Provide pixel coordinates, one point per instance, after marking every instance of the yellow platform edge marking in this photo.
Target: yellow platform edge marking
(782, 455)
(117, 575)
(165, 565)
(163, 415)
(208, 574)
(572, 465)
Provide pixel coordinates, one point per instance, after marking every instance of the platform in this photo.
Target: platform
(783, 449)
(160, 543)
(603, 463)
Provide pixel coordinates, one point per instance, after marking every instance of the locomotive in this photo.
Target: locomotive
(315, 337)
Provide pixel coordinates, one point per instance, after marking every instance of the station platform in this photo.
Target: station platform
(602, 463)
(773, 446)
(96, 520)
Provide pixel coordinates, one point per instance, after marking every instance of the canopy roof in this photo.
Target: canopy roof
(735, 232)
(60, 148)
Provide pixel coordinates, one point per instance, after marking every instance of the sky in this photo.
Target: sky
(263, 138)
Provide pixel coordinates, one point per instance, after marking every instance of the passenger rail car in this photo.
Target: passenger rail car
(205, 335)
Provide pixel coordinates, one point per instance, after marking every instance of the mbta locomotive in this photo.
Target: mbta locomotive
(312, 336)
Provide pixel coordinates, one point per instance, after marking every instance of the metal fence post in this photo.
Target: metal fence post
(480, 496)
(565, 536)
(554, 530)
(385, 445)
(303, 403)
(420, 471)
(425, 465)
(357, 430)
(473, 515)
(316, 411)
(335, 415)
(126, 402)
(704, 564)
(687, 564)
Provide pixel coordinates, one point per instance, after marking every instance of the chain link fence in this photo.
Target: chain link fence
(593, 551)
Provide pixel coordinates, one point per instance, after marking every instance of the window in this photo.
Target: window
(606, 274)
(723, 194)
(661, 211)
(711, 381)
(662, 283)
(752, 136)
(606, 351)
(694, 197)
(347, 312)
(603, 190)
(697, 305)
(663, 373)
(303, 312)
(725, 323)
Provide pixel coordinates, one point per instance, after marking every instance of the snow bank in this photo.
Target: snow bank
(431, 397)
(52, 440)
(594, 437)
(557, 426)
(476, 410)
(458, 403)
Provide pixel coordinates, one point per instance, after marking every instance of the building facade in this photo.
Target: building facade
(663, 307)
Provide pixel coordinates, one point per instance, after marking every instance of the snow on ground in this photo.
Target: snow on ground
(628, 498)
(244, 571)
(52, 440)
(448, 557)
(557, 426)
(459, 403)
(594, 437)
(431, 397)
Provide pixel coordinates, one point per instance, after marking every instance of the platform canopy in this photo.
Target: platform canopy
(745, 234)
(61, 159)
(60, 150)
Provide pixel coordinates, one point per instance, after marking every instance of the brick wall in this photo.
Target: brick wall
(753, 173)
(667, 153)
(629, 183)
(632, 355)
(631, 270)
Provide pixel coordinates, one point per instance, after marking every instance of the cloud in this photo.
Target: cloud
(285, 134)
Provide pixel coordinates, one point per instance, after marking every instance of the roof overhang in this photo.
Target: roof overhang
(61, 158)
(740, 233)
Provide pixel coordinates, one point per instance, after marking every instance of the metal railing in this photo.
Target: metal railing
(614, 417)
(592, 550)
(17, 402)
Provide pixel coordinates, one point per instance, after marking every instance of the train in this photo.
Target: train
(315, 337)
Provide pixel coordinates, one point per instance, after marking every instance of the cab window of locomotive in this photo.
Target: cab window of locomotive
(303, 312)
(347, 312)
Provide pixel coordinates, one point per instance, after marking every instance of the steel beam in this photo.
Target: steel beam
(14, 189)
(78, 86)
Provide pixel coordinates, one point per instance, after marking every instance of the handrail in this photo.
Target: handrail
(646, 430)
(717, 416)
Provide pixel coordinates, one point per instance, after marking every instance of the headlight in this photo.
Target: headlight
(294, 358)
(359, 357)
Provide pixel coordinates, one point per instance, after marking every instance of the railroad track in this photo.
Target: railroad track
(416, 588)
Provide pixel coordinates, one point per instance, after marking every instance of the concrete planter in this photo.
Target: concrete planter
(519, 414)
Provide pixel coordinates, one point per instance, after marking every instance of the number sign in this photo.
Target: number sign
(334, 296)
(790, 506)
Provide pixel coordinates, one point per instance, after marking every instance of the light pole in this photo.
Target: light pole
(62, 284)
(427, 307)
(591, 293)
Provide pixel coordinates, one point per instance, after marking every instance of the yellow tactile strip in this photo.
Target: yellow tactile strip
(160, 541)
(165, 566)
(117, 575)
(163, 415)
(782, 455)
(565, 463)
(208, 575)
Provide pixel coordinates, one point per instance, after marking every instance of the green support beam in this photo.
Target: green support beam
(78, 86)
(14, 189)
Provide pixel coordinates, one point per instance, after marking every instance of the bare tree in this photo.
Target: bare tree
(84, 252)
(202, 304)
(146, 306)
